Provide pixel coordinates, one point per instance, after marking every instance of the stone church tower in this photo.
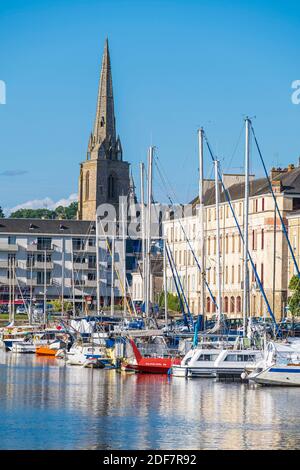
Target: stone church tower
(104, 177)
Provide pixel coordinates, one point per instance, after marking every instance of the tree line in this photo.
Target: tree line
(59, 212)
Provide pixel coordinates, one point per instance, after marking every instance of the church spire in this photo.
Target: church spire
(104, 134)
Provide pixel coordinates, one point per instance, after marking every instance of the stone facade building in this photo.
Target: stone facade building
(104, 176)
(267, 244)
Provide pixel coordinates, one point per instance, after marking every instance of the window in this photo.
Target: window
(239, 273)
(240, 209)
(232, 274)
(87, 185)
(41, 277)
(254, 239)
(215, 245)
(233, 243)
(232, 304)
(262, 238)
(231, 358)
(238, 304)
(226, 304)
(208, 304)
(207, 357)
(11, 240)
(262, 273)
(208, 246)
(226, 274)
(44, 243)
(111, 187)
(263, 204)
(40, 257)
(253, 273)
(226, 243)
(78, 244)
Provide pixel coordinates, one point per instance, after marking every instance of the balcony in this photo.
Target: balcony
(6, 281)
(80, 266)
(31, 282)
(33, 248)
(9, 247)
(86, 266)
(85, 283)
(40, 265)
(84, 249)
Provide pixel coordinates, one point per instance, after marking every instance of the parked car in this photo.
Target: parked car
(21, 310)
(4, 308)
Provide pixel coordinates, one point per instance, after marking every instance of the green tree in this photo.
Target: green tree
(1, 213)
(60, 212)
(33, 214)
(294, 300)
(57, 305)
(173, 302)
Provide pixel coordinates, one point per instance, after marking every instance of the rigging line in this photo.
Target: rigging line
(116, 270)
(242, 237)
(235, 148)
(193, 252)
(276, 204)
(178, 282)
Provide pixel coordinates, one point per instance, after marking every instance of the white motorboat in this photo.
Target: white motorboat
(279, 366)
(81, 354)
(216, 360)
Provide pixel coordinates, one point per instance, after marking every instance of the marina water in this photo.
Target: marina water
(47, 405)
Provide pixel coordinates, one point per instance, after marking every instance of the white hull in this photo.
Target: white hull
(23, 348)
(279, 375)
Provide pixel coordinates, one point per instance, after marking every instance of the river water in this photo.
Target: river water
(47, 405)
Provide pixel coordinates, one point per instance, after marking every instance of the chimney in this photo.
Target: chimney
(275, 172)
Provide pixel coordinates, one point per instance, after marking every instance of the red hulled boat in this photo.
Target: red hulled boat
(150, 365)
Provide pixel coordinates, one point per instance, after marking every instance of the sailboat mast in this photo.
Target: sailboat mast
(142, 177)
(98, 267)
(165, 281)
(246, 223)
(202, 224)
(63, 276)
(45, 288)
(148, 253)
(73, 281)
(112, 292)
(124, 254)
(218, 251)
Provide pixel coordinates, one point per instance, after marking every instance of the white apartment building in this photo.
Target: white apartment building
(59, 256)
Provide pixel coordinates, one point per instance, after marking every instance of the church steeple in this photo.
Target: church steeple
(105, 115)
(104, 176)
(103, 143)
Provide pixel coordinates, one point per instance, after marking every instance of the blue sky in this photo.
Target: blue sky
(176, 65)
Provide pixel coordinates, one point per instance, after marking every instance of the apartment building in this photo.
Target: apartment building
(267, 244)
(59, 257)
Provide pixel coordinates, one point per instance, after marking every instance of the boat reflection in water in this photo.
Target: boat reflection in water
(45, 404)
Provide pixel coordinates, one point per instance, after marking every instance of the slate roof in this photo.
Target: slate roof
(290, 185)
(47, 226)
